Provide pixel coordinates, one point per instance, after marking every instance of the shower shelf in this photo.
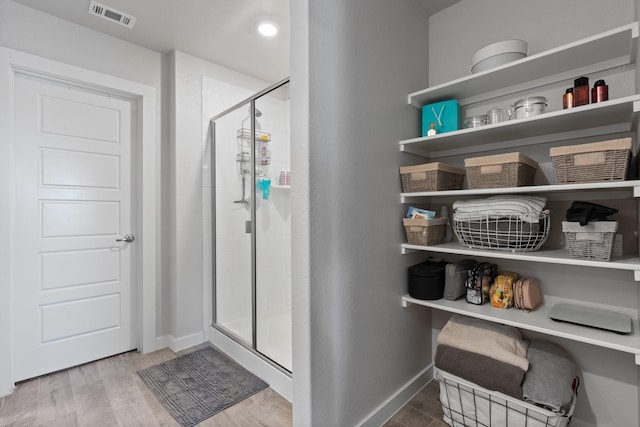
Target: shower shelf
(281, 187)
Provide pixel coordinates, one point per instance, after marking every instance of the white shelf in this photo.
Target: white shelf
(539, 321)
(615, 115)
(613, 189)
(603, 51)
(551, 256)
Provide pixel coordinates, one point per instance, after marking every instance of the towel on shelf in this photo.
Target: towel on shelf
(481, 370)
(549, 382)
(500, 342)
(525, 208)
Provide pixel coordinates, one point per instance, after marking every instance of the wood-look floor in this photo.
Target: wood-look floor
(423, 410)
(108, 392)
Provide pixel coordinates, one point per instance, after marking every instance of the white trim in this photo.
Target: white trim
(389, 407)
(280, 382)
(182, 343)
(12, 61)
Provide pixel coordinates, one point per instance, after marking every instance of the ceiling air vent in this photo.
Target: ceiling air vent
(111, 14)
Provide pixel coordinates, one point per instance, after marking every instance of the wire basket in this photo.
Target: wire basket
(508, 232)
(467, 404)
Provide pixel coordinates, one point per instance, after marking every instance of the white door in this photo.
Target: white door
(73, 279)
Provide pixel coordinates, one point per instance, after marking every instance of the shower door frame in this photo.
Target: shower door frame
(252, 112)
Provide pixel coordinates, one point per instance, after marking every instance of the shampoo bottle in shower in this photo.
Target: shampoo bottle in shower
(282, 179)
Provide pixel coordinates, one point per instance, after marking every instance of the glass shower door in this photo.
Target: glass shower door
(252, 224)
(273, 234)
(233, 189)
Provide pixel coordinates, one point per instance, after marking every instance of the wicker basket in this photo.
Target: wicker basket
(593, 241)
(425, 232)
(599, 161)
(502, 170)
(431, 177)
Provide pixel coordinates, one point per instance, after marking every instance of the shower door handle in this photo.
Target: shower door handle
(247, 227)
(127, 238)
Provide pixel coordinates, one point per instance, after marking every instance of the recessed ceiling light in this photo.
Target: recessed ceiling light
(267, 29)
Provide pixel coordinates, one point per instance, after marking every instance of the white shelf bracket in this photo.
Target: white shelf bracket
(405, 251)
(637, 359)
(636, 275)
(636, 106)
(636, 191)
(406, 304)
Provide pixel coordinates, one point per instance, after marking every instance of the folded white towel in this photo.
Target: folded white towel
(499, 342)
(525, 208)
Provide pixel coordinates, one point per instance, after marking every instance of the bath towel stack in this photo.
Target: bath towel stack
(497, 357)
(490, 355)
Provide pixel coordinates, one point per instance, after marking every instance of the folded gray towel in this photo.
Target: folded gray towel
(481, 370)
(549, 380)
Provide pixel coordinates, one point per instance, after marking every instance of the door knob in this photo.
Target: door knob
(127, 238)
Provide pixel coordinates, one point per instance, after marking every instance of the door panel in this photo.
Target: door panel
(60, 320)
(73, 218)
(80, 119)
(71, 168)
(73, 280)
(59, 268)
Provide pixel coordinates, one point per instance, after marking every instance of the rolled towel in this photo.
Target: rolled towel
(549, 382)
(481, 370)
(500, 342)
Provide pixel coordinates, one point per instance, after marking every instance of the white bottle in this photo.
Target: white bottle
(282, 179)
(288, 178)
(432, 129)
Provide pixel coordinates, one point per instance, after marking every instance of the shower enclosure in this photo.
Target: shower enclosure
(251, 216)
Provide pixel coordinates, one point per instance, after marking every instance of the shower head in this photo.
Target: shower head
(258, 112)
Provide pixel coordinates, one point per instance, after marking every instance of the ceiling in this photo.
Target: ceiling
(220, 31)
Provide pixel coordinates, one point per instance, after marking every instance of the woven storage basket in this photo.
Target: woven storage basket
(502, 170)
(425, 232)
(598, 161)
(593, 241)
(431, 177)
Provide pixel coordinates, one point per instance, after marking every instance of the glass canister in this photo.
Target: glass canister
(475, 121)
(528, 107)
(494, 116)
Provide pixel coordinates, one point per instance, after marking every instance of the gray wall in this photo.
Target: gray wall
(364, 58)
(460, 30)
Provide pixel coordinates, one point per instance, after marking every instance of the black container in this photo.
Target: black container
(426, 280)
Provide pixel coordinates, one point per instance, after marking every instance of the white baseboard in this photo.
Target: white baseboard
(277, 379)
(179, 344)
(396, 401)
(6, 390)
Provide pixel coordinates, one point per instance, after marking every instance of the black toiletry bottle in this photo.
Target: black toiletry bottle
(581, 91)
(567, 99)
(600, 91)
